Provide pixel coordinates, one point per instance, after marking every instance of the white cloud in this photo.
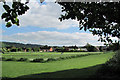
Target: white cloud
(54, 38)
(45, 16)
(1, 11)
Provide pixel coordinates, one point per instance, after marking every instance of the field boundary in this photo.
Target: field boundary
(44, 60)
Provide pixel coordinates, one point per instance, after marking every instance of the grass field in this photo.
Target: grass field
(43, 54)
(82, 67)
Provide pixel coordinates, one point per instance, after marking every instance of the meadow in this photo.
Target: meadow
(82, 67)
(32, 55)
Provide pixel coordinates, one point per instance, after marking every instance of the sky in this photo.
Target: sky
(40, 25)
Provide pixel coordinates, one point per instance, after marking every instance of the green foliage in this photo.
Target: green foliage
(90, 48)
(19, 46)
(98, 18)
(114, 46)
(23, 59)
(11, 14)
(38, 60)
(51, 59)
(111, 68)
(11, 59)
(13, 50)
(36, 49)
(29, 49)
(2, 58)
(8, 24)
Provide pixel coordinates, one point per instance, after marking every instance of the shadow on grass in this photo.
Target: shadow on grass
(72, 73)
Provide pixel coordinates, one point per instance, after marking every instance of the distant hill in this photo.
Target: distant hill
(8, 44)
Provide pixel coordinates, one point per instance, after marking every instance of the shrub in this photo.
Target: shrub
(72, 56)
(38, 60)
(57, 58)
(111, 67)
(23, 59)
(51, 59)
(2, 58)
(62, 57)
(67, 57)
(79, 55)
(11, 59)
(30, 60)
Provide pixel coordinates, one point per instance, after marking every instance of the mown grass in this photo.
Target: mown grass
(20, 69)
(32, 55)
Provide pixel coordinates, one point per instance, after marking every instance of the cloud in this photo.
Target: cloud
(46, 16)
(54, 38)
(1, 31)
(1, 11)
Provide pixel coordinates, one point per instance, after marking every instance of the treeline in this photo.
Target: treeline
(20, 47)
(9, 44)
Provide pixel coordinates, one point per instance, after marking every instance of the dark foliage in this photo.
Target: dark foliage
(11, 59)
(51, 59)
(111, 68)
(11, 13)
(11, 44)
(98, 18)
(38, 60)
(90, 48)
(114, 46)
(23, 59)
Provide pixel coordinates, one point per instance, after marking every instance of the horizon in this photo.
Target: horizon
(48, 45)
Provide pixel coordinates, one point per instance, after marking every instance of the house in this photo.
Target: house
(83, 49)
(97, 48)
(50, 49)
(72, 48)
(24, 49)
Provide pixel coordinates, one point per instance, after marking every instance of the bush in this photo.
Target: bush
(38, 60)
(57, 58)
(11, 59)
(23, 59)
(72, 56)
(68, 57)
(62, 58)
(79, 55)
(2, 58)
(51, 59)
(111, 67)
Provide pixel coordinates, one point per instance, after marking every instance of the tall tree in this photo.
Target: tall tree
(101, 18)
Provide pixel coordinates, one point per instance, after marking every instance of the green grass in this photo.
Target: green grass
(71, 68)
(33, 55)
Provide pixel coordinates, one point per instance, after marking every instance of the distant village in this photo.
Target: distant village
(38, 48)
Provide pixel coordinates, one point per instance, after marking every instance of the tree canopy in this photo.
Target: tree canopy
(100, 18)
(11, 13)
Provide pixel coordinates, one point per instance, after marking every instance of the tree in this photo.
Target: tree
(11, 13)
(101, 18)
(114, 47)
(90, 48)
